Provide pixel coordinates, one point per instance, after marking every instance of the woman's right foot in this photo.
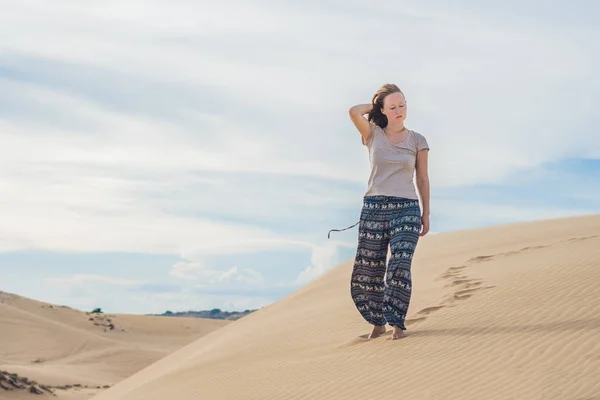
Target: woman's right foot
(398, 333)
(377, 331)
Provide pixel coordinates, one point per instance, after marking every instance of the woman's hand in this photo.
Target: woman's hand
(424, 225)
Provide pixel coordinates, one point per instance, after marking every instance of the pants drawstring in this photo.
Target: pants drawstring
(385, 201)
(340, 230)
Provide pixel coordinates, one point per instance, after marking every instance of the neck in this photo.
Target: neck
(396, 128)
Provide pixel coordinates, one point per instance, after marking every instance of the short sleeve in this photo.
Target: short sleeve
(370, 139)
(421, 142)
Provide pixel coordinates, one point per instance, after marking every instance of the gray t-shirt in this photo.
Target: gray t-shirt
(393, 164)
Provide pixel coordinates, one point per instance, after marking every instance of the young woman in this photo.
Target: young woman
(391, 217)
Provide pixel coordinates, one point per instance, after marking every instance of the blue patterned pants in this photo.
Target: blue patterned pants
(383, 294)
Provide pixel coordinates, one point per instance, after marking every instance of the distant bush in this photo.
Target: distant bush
(97, 311)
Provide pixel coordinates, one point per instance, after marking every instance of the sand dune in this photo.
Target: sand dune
(509, 312)
(61, 347)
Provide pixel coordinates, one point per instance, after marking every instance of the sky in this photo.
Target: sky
(182, 155)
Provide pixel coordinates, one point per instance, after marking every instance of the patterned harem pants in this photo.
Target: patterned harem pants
(384, 295)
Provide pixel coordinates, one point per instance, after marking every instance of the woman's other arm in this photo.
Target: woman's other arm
(422, 180)
(357, 113)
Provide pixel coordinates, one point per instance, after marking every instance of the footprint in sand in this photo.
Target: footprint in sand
(429, 310)
(464, 286)
(464, 294)
(466, 291)
(479, 259)
(424, 312)
(451, 273)
(581, 239)
(533, 248)
(463, 281)
(474, 284)
(410, 321)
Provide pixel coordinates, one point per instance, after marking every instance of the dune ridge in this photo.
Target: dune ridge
(75, 354)
(504, 312)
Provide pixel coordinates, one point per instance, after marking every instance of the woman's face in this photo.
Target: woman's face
(394, 108)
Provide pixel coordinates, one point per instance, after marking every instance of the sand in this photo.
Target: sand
(58, 346)
(509, 312)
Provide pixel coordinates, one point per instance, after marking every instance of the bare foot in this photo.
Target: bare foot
(377, 331)
(398, 333)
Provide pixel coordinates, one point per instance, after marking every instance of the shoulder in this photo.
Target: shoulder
(418, 135)
(420, 140)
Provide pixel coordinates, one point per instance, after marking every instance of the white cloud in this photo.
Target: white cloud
(468, 61)
(119, 224)
(191, 270)
(247, 275)
(270, 87)
(202, 276)
(88, 291)
(244, 245)
(323, 258)
(80, 279)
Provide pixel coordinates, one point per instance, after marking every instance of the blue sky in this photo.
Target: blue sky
(177, 155)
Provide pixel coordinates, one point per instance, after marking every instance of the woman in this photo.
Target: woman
(391, 215)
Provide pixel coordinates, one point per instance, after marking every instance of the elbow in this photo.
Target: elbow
(355, 111)
(422, 180)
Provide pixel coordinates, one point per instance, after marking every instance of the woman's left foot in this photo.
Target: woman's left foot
(398, 333)
(378, 330)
